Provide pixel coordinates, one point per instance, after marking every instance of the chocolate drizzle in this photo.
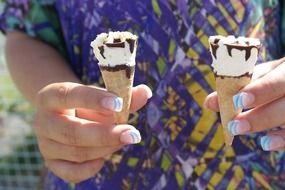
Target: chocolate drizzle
(101, 49)
(216, 41)
(119, 44)
(246, 48)
(223, 76)
(129, 69)
(116, 40)
(214, 47)
(132, 44)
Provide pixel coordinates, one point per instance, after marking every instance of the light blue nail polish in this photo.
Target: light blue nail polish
(238, 103)
(136, 138)
(232, 127)
(118, 104)
(265, 142)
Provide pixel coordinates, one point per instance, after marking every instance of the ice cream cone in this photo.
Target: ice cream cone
(233, 63)
(227, 87)
(120, 83)
(116, 52)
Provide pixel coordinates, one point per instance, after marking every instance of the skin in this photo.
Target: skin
(74, 132)
(267, 110)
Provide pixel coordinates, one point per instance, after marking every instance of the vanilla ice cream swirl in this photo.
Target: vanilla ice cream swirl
(232, 56)
(115, 48)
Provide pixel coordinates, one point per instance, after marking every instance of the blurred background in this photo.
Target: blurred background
(20, 161)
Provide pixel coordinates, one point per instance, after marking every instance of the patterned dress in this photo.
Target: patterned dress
(182, 145)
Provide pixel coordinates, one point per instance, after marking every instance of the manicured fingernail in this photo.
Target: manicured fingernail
(237, 127)
(131, 137)
(272, 142)
(113, 103)
(243, 100)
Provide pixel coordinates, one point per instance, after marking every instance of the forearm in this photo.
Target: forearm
(33, 65)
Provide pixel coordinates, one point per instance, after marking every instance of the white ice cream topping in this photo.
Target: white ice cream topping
(230, 55)
(113, 56)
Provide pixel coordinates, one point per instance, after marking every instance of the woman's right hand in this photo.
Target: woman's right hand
(75, 127)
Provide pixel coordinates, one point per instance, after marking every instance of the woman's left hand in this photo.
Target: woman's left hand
(265, 99)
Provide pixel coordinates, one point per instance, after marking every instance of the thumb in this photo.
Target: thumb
(141, 94)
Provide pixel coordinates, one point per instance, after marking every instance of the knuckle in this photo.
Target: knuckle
(89, 95)
(261, 123)
(271, 85)
(266, 121)
(104, 138)
(69, 134)
(42, 124)
(62, 93)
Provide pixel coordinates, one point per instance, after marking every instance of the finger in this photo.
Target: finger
(264, 90)
(211, 102)
(273, 141)
(92, 115)
(74, 172)
(60, 96)
(259, 119)
(262, 69)
(79, 132)
(141, 94)
(56, 151)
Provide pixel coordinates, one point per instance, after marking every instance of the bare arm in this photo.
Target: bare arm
(34, 64)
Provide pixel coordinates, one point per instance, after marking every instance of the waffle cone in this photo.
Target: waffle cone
(227, 87)
(119, 83)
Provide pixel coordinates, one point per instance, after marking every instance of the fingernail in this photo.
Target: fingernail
(113, 103)
(148, 93)
(271, 142)
(237, 127)
(243, 100)
(130, 137)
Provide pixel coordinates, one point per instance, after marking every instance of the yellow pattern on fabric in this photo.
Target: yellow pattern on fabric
(156, 8)
(261, 180)
(237, 177)
(199, 169)
(229, 152)
(207, 119)
(203, 38)
(191, 53)
(166, 162)
(132, 162)
(227, 16)
(219, 29)
(237, 5)
(179, 178)
(219, 174)
(171, 50)
(216, 143)
(160, 65)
